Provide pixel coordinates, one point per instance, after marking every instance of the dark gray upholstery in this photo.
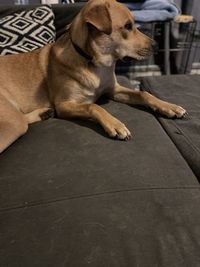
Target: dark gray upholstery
(145, 228)
(61, 159)
(185, 91)
(72, 197)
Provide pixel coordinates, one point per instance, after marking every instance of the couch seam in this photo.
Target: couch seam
(75, 197)
(147, 86)
(188, 140)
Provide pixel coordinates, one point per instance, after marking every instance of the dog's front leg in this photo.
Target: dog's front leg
(114, 128)
(137, 97)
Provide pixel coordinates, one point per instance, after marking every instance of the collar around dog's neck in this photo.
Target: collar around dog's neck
(78, 49)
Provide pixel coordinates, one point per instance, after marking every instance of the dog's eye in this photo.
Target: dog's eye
(128, 26)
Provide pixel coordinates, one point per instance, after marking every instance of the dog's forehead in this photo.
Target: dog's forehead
(119, 13)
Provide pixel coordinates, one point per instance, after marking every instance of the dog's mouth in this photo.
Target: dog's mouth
(127, 59)
(143, 53)
(140, 54)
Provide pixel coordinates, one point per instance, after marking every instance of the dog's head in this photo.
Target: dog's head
(110, 32)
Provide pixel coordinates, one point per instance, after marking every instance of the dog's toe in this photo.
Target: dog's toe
(123, 133)
(186, 115)
(179, 112)
(118, 130)
(172, 110)
(123, 137)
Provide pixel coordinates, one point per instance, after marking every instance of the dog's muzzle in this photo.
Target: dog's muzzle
(144, 53)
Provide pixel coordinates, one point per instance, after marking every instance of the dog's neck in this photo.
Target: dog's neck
(79, 50)
(102, 51)
(97, 59)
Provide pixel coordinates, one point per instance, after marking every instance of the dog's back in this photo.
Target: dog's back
(22, 78)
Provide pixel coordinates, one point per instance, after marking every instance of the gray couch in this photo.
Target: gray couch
(70, 196)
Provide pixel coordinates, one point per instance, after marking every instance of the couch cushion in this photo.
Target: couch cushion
(182, 90)
(26, 30)
(147, 228)
(59, 159)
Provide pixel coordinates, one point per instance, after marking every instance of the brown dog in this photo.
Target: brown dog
(71, 74)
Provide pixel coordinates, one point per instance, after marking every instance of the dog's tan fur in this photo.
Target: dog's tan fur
(58, 77)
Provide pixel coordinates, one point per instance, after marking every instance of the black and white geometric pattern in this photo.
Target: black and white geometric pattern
(27, 30)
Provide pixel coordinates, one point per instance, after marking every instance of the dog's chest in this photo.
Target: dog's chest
(93, 82)
(105, 81)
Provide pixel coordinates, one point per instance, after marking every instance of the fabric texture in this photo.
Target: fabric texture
(26, 30)
(144, 228)
(73, 197)
(185, 133)
(154, 10)
(59, 159)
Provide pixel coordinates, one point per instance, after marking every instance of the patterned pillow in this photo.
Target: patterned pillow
(27, 30)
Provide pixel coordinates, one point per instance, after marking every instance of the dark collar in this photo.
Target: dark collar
(80, 51)
(76, 47)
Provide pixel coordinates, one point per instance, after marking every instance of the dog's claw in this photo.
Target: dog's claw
(128, 137)
(182, 116)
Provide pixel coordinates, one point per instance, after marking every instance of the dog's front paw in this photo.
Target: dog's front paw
(116, 129)
(171, 110)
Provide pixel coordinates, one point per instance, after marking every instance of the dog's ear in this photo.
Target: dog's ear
(99, 17)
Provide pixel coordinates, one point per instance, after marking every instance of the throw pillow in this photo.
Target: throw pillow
(27, 30)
